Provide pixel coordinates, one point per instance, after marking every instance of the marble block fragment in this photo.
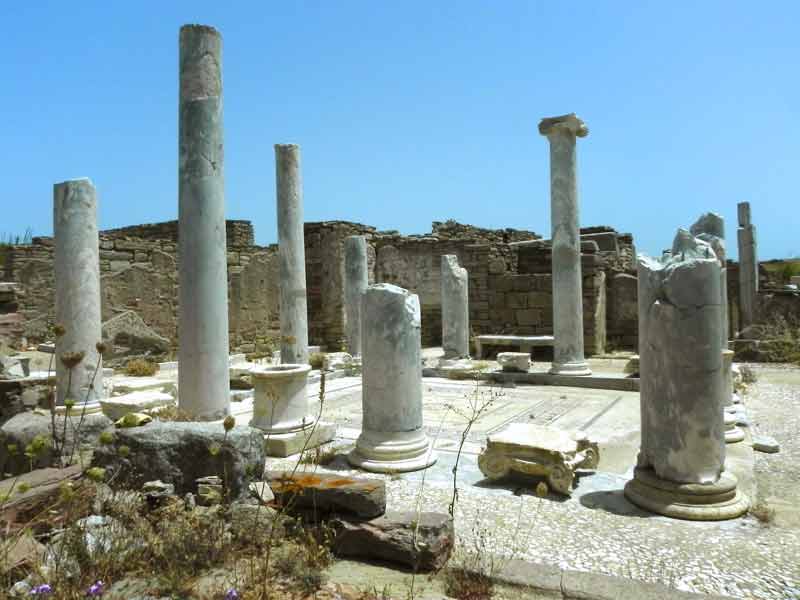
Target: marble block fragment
(519, 362)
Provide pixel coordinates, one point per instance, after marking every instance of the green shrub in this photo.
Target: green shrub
(141, 367)
(317, 360)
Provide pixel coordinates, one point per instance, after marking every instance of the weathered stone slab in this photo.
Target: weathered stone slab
(180, 453)
(519, 362)
(421, 541)
(288, 444)
(329, 494)
(127, 334)
(765, 443)
(118, 406)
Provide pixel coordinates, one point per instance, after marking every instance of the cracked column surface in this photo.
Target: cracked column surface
(455, 308)
(355, 284)
(203, 377)
(748, 267)
(392, 436)
(292, 255)
(680, 470)
(77, 278)
(568, 351)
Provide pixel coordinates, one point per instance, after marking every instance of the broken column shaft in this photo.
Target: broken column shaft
(356, 281)
(455, 308)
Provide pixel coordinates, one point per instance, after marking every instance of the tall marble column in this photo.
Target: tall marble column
(356, 281)
(77, 276)
(455, 308)
(292, 253)
(203, 378)
(680, 470)
(392, 437)
(748, 267)
(710, 227)
(568, 356)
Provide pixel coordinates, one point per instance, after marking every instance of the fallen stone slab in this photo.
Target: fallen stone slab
(329, 494)
(765, 443)
(23, 428)
(420, 541)
(117, 407)
(180, 453)
(43, 486)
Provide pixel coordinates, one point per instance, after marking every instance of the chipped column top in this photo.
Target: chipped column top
(390, 294)
(569, 123)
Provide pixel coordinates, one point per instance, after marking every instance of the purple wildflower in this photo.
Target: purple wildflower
(232, 594)
(96, 589)
(44, 589)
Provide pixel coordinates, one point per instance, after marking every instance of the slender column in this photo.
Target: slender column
(568, 352)
(355, 284)
(748, 267)
(455, 308)
(392, 437)
(292, 252)
(77, 275)
(680, 470)
(203, 378)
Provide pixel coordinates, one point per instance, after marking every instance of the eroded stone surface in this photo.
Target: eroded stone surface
(355, 284)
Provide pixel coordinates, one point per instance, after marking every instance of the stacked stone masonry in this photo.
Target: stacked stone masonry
(510, 288)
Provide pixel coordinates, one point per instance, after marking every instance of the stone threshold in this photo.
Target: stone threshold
(568, 584)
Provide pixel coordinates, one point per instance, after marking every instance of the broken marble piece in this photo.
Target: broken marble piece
(765, 443)
(540, 451)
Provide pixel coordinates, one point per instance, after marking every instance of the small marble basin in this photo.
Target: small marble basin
(280, 402)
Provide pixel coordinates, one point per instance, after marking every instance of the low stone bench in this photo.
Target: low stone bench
(524, 342)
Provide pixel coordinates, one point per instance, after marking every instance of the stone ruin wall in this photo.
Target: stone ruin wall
(509, 271)
(138, 269)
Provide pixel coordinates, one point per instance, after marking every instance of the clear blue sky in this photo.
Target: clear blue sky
(409, 112)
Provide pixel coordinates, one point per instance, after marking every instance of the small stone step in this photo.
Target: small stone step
(118, 406)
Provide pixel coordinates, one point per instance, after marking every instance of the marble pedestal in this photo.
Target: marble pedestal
(280, 409)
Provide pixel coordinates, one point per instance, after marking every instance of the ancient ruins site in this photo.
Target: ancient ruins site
(355, 413)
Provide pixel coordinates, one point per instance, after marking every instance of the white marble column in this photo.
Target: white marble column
(455, 308)
(710, 227)
(748, 267)
(77, 276)
(392, 437)
(203, 377)
(680, 470)
(568, 351)
(356, 281)
(292, 253)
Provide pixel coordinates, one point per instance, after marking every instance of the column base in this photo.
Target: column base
(392, 452)
(692, 501)
(571, 368)
(281, 445)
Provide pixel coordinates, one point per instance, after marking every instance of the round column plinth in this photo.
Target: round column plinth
(280, 403)
(571, 368)
(692, 501)
(392, 452)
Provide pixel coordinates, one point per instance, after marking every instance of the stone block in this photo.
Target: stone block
(514, 361)
(287, 444)
(529, 316)
(517, 300)
(118, 406)
(421, 541)
(181, 452)
(328, 494)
